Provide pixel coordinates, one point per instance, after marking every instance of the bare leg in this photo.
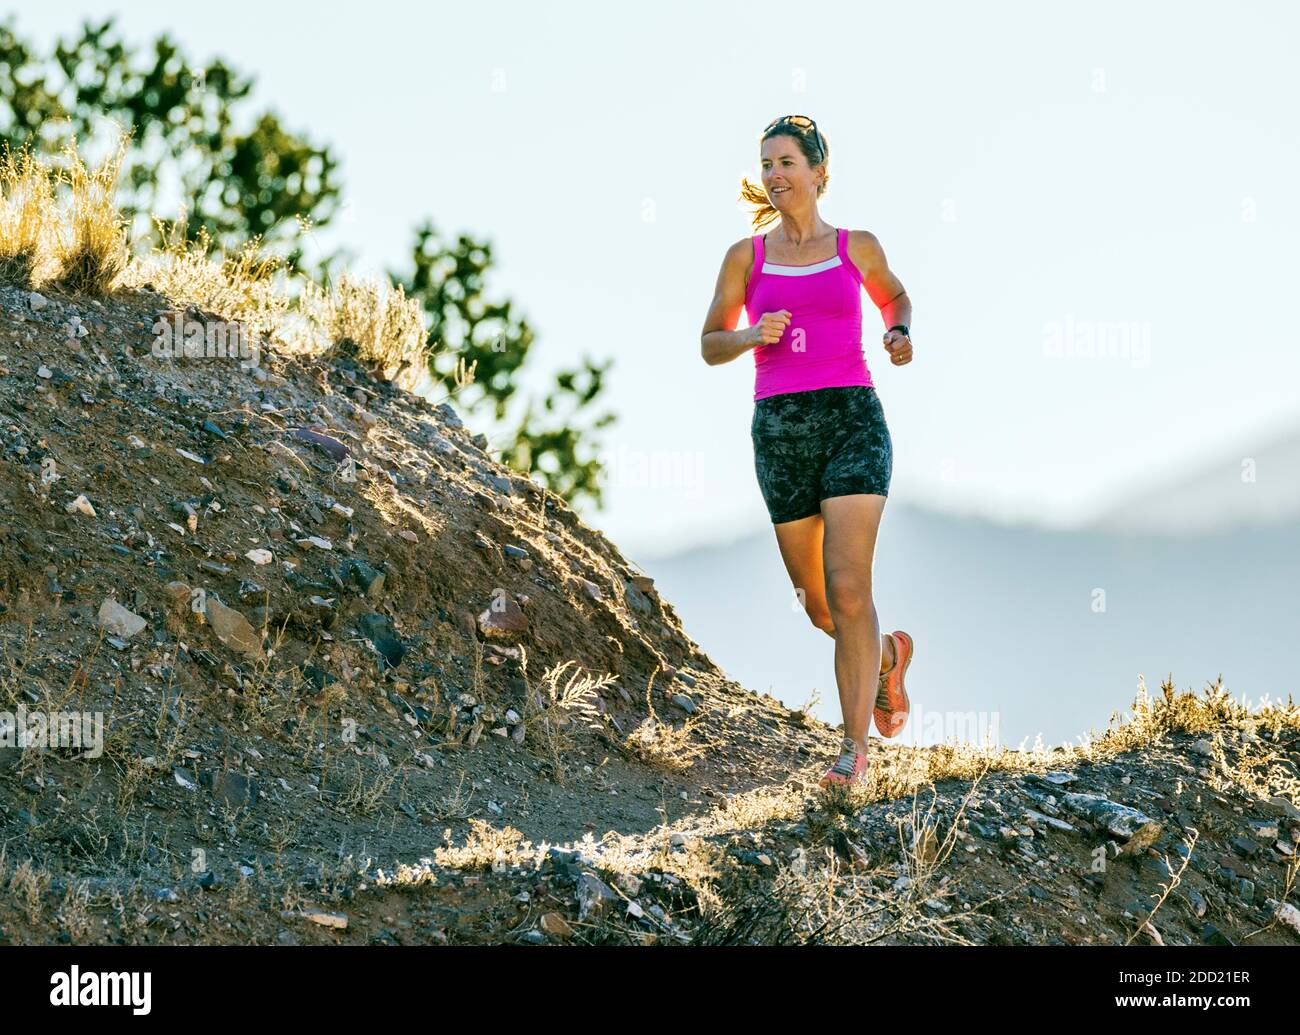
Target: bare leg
(851, 525)
(801, 544)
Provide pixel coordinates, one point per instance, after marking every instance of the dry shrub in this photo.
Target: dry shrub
(376, 322)
(91, 248)
(242, 287)
(27, 219)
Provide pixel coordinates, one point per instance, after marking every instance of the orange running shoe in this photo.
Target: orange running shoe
(891, 709)
(849, 768)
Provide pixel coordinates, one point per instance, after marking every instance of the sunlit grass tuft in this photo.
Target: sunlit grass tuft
(90, 245)
(27, 219)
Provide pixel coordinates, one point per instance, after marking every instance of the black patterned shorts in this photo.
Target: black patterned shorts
(812, 445)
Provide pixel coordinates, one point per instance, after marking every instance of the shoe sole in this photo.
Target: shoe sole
(902, 689)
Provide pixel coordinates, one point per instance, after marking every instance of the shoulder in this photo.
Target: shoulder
(863, 242)
(740, 256)
(742, 249)
(865, 250)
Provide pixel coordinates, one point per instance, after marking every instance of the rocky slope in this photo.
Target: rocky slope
(361, 683)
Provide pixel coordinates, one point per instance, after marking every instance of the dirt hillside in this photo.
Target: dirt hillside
(360, 682)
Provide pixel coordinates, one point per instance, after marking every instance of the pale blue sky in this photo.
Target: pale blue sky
(1030, 170)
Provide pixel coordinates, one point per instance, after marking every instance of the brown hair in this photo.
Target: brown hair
(815, 149)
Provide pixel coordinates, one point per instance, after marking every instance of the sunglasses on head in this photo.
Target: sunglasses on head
(803, 122)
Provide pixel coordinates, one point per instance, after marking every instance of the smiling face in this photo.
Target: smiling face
(787, 177)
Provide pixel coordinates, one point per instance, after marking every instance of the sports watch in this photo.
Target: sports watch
(900, 327)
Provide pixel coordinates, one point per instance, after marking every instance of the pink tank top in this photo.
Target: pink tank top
(822, 343)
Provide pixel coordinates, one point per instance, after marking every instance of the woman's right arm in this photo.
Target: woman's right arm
(719, 343)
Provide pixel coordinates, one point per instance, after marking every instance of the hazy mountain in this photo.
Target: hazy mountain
(1250, 485)
(1008, 643)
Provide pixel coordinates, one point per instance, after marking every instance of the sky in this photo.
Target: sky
(1043, 178)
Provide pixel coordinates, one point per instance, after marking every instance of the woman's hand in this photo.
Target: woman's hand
(769, 328)
(899, 347)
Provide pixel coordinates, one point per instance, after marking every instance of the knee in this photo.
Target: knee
(822, 620)
(848, 596)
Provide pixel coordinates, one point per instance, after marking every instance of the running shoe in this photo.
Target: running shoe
(891, 709)
(849, 768)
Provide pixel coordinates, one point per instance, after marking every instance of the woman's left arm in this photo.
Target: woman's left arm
(885, 289)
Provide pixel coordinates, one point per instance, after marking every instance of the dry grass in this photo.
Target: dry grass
(91, 248)
(375, 322)
(241, 288)
(60, 228)
(552, 710)
(27, 218)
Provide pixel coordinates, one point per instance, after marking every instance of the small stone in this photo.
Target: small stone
(36, 301)
(594, 895)
(80, 505)
(1286, 913)
(259, 556)
(232, 628)
(1050, 821)
(331, 447)
(118, 621)
(44, 372)
(365, 578)
(1284, 806)
(503, 618)
(380, 632)
(1056, 779)
(556, 926)
(190, 456)
(1211, 935)
(1137, 829)
(588, 587)
(337, 921)
(684, 703)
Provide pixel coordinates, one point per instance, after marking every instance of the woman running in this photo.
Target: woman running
(822, 449)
